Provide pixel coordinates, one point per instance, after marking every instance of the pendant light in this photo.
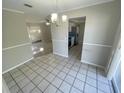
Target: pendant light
(54, 17)
(64, 18)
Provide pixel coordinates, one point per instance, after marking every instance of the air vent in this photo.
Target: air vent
(27, 5)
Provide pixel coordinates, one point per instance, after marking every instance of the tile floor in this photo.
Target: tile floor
(54, 74)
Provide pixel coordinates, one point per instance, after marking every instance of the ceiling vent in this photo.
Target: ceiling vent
(27, 5)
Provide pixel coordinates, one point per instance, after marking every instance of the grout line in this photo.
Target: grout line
(113, 87)
(75, 78)
(16, 83)
(29, 80)
(110, 87)
(97, 80)
(52, 80)
(64, 77)
(85, 79)
(36, 86)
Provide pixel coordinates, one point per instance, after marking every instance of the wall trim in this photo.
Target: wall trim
(55, 53)
(16, 66)
(42, 21)
(89, 63)
(59, 40)
(13, 10)
(93, 44)
(25, 44)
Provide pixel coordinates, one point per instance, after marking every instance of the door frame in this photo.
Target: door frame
(83, 34)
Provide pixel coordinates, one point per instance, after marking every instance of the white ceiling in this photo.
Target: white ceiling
(42, 8)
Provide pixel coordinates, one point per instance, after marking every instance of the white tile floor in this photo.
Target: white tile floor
(55, 74)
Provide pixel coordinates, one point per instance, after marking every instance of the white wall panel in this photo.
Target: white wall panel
(16, 47)
(60, 38)
(95, 54)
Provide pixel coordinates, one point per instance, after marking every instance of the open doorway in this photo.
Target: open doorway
(40, 37)
(75, 36)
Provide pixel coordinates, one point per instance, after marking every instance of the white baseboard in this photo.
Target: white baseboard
(89, 63)
(16, 66)
(60, 54)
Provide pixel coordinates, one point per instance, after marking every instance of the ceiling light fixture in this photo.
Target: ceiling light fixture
(54, 17)
(41, 49)
(47, 23)
(64, 18)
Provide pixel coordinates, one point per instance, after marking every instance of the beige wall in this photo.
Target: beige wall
(114, 58)
(16, 46)
(101, 22)
(14, 29)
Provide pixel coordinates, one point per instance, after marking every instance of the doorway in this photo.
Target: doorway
(40, 37)
(75, 36)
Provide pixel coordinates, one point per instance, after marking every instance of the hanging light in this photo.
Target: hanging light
(64, 18)
(54, 17)
(41, 49)
(47, 23)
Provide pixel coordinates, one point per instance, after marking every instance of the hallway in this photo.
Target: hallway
(75, 52)
(55, 74)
